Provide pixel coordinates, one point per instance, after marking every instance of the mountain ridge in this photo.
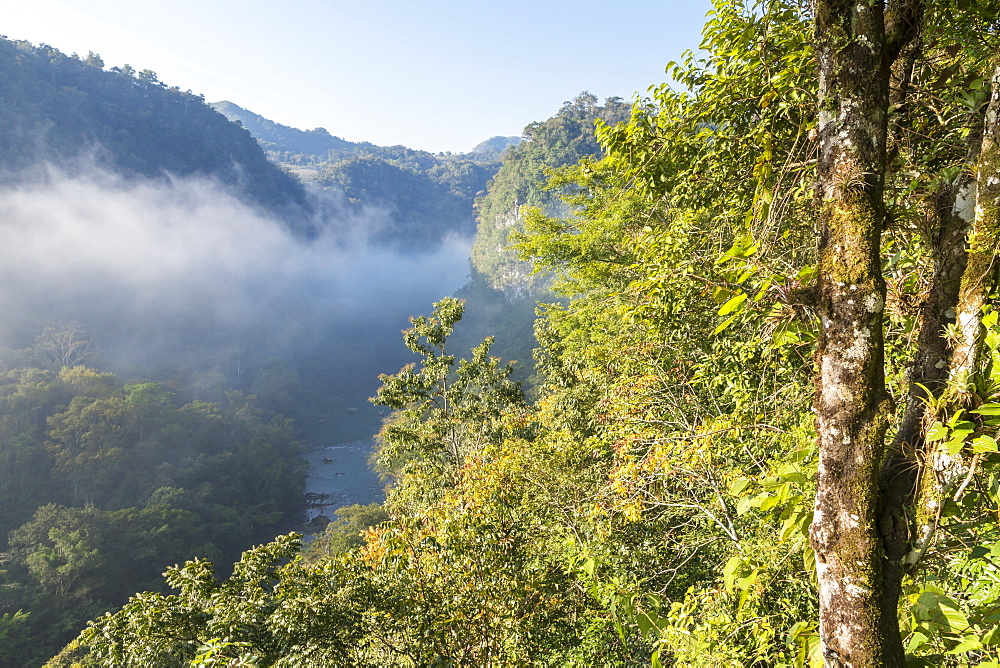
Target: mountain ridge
(65, 108)
(275, 136)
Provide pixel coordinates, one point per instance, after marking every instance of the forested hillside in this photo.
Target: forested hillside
(503, 288)
(766, 432)
(520, 185)
(492, 149)
(422, 197)
(282, 141)
(170, 300)
(105, 483)
(288, 145)
(60, 109)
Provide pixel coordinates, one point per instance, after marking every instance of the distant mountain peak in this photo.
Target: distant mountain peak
(275, 136)
(494, 146)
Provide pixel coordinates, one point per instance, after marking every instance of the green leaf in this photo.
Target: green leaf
(795, 477)
(767, 502)
(645, 623)
(747, 273)
(731, 570)
(724, 326)
(785, 336)
(809, 561)
(957, 621)
(956, 422)
(984, 444)
(796, 523)
(738, 485)
(733, 304)
(936, 433)
(969, 644)
(917, 640)
(749, 581)
(988, 409)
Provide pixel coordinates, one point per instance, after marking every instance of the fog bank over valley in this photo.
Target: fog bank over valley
(178, 273)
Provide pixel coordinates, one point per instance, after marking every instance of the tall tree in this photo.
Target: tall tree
(444, 413)
(850, 416)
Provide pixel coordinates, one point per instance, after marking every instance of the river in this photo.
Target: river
(338, 450)
(339, 475)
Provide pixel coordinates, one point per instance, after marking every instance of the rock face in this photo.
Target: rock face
(495, 257)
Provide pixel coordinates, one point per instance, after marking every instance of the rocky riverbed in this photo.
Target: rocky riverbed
(338, 449)
(339, 475)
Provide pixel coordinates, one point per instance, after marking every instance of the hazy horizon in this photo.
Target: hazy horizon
(439, 76)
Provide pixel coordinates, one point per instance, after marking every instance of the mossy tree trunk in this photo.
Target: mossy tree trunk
(903, 539)
(975, 210)
(856, 44)
(920, 477)
(978, 278)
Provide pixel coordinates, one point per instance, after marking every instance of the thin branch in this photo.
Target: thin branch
(960, 492)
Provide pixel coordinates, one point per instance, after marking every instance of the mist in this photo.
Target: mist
(178, 273)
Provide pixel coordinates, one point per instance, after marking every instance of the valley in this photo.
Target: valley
(710, 377)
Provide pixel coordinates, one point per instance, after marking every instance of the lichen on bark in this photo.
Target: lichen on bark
(976, 210)
(854, 60)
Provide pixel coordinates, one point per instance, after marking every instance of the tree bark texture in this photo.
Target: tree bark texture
(851, 418)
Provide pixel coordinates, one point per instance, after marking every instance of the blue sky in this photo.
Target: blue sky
(438, 75)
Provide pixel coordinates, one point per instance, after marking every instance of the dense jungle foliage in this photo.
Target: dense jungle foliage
(520, 185)
(653, 504)
(104, 483)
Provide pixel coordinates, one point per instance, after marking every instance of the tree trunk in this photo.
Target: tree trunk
(978, 279)
(851, 419)
(900, 527)
(976, 203)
